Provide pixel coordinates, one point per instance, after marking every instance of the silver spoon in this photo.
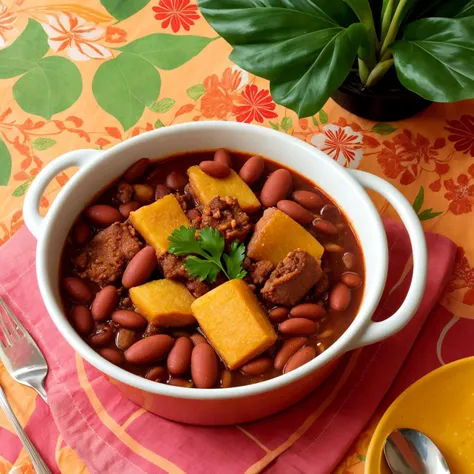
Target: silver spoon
(411, 452)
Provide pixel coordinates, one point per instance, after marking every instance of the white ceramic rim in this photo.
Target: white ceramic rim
(349, 340)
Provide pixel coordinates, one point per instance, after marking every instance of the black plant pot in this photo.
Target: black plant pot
(387, 101)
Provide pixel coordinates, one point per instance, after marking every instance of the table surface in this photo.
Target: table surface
(68, 82)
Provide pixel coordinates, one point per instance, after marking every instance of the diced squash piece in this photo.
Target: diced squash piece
(276, 234)
(234, 323)
(205, 188)
(156, 222)
(165, 303)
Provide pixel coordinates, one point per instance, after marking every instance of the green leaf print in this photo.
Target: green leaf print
(286, 123)
(42, 144)
(21, 190)
(275, 126)
(323, 117)
(383, 128)
(53, 85)
(123, 93)
(159, 124)
(121, 9)
(196, 92)
(419, 200)
(24, 54)
(167, 51)
(5, 164)
(162, 105)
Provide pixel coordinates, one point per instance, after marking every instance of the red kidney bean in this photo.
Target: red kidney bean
(351, 279)
(331, 213)
(279, 314)
(176, 180)
(128, 319)
(104, 303)
(295, 211)
(198, 339)
(340, 297)
(179, 358)
(289, 348)
(349, 260)
(149, 349)
(215, 169)
(161, 191)
(103, 215)
(252, 170)
(333, 248)
(180, 382)
(78, 290)
(223, 156)
(157, 374)
(204, 367)
(308, 199)
(325, 226)
(127, 208)
(226, 379)
(309, 311)
(82, 320)
(276, 187)
(125, 338)
(154, 176)
(101, 336)
(143, 193)
(140, 268)
(300, 358)
(81, 232)
(257, 366)
(112, 355)
(136, 171)
(296, 326)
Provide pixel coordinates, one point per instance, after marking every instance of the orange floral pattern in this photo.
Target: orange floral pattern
(7, 22)
(177, 14)
(461, 192)
(462, 133)
(254, 105)
(463, 277)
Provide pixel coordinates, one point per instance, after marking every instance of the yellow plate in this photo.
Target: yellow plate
(441, 405)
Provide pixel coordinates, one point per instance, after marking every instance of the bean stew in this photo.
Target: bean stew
(211, 269)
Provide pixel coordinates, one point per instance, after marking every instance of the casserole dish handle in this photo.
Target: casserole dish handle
(376, 331)
(77, 158)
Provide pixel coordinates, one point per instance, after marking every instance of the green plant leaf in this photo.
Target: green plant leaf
(42, 143)
(162, 105)
(5, 164)
(159, 124)
(420, 198)
(121, 9)
(53, 85)
(427, 215)
(286, 123)
(21, 190)
(123, 93)
(455, 9)
(315, 122)
(383, 128)
(305, 49)
(442, 50)
(24, 54)
(323, 116)
(196, 92)
(167, 51)
(275, 126)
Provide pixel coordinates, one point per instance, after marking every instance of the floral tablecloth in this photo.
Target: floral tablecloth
(93, 73)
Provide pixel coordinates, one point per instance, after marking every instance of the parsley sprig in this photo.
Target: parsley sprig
(206, 254)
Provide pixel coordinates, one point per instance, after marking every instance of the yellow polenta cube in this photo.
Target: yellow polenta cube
(234, 323)
(276, 234)
(205, 188)
(165, 303)
(157, 221)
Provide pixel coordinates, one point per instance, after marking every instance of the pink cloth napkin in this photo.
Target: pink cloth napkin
(112, 435)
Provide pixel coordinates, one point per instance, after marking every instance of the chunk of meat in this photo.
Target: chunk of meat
(186, 201)
(225, 215)
(292, 279)
(124, 193)
(258, 272)
(108, 253)
(172, 267)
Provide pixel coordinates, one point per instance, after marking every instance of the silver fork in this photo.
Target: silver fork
(20, 354)
(26, 364)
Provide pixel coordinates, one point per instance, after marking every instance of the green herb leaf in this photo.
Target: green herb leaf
(42, 143)
(201, 268)
(233, 261)
(162, 105)
(286, 123)
(196, 92)
(183, 242)
(383, 128)
(275, 126)
(323, 116)
(420, 198)
(442, 50)
(212, 241)
(305, 49)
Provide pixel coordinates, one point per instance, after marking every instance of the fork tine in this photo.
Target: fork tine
(19, 327)
(6, 334)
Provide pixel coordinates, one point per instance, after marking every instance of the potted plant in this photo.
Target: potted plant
(380, 59)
